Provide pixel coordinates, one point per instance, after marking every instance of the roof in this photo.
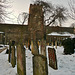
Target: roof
(62, 34)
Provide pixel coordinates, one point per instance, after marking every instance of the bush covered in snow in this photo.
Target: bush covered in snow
(68, 45)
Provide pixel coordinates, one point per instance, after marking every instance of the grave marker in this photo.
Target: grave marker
(9, 55)
(52, 58)
(21, 61)
(13, 58)
(40, 65)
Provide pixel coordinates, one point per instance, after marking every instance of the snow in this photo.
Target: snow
(1, 32)
(1, 46)
(66, 64)
(5, 66)
(54, 33)
(62, 34)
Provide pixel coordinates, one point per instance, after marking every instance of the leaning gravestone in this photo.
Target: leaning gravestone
(40, 65)
(21, 62)
(52, 58)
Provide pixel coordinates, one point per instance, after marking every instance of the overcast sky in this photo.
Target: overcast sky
(23, 5)
(19, 6)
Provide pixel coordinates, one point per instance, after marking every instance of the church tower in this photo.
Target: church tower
(36, 20)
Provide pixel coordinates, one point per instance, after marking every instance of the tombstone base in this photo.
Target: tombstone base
(40, 65)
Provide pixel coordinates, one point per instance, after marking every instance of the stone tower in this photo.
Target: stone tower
(36, 21)
(36, 29)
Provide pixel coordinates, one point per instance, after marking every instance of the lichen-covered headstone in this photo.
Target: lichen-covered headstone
(21, 61)
(52, 58)
(40, 65)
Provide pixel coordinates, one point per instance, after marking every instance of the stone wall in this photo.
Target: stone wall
(15, 32)
(59, 29)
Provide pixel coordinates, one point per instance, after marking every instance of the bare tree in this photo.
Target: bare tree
(51, 13)
(59, 15)
(23, 18)
(3, 12)
(47, 10)
(71, 4)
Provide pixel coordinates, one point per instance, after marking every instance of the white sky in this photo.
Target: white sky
(19, 6)
(23, 5)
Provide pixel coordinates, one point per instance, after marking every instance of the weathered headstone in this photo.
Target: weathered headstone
(9, 55)
(21, 61)
(13, 57)
(52, 58)
(29, 44)
(26, 44)
(43, 47)
(52, 44)
(40, 65)
(34, 47)
(7, 51)
(56, 44)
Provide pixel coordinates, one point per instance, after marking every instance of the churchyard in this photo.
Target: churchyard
(31, 51)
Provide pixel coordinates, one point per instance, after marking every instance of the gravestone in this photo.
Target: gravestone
(43, 47)
(21, 61)
(29, 45)
(40, 65)
(13, 57)
(35, 26)
(9, 55)
(52, 58)
(34, 45)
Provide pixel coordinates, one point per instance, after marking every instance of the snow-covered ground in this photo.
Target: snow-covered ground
(5, 67)
(66, 64)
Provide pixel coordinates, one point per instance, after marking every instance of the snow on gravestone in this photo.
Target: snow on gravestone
(52, 58)
(40, 65)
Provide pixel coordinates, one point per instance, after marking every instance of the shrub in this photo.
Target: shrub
(68, 46)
